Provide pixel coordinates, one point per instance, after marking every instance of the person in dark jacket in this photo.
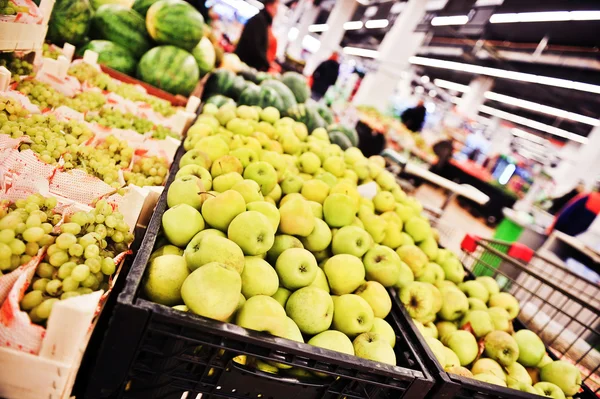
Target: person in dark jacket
(578, 214)
(443, 149)
(560, 202)
(325, 75)
(254, 41)
(413, 118)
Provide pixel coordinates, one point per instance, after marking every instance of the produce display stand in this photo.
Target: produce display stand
(565, 322)
(154, 351)
(22, 36)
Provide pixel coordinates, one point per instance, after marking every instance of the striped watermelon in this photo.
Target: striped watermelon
(70, 21)
(123, 26)
(297, 84)
(169, 68)
(142, 6)
(284, 92)
(219, 82)
(112, 55)
(250, 95)
(175, 22)
(268, 97)
(205, 56)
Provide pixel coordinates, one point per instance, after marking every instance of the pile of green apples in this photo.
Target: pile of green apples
(468, 327)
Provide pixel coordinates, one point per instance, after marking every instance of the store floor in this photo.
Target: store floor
(455, 222)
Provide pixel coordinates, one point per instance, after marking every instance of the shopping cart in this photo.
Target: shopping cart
(562, 307)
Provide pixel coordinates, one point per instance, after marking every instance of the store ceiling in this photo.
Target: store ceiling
(572, 51)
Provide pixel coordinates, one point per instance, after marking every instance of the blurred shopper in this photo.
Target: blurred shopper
(578, 214)
(254, 42)
(413, 118)
(559, 202)
(325, 76)
(443, 149)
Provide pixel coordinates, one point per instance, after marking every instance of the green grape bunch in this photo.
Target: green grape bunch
(41, 94)
(8, 7)
(17, 66)
(147, 171)
(85, 72)
(116, 119)
(49, 51)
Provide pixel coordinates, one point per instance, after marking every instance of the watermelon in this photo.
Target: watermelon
(325, 113)
(284, 92)
(112, 55)
(218, 82)
(268, 97)
(237, 87)
(349, 132)
(142, 6)
(175, 22)
(219, 100)
(231, 62)
(249, 74)
(69, 21)
(96, 4)
(297, 84)
(123, 26)
(250, 95)
(205, 56)
(169, 68)
(340, 139)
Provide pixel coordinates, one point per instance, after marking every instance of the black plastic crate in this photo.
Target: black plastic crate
(153, 351)
(450, 386)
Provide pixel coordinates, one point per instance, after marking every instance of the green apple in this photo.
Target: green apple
(374, 346)
(315, 190)
(226, 182)
(339, 210)
(249, 189)
(225, 114)
(212, 291)
(506, 301)
(474, 289)
(500, 318)
(480, 322)
(320, 280)
(226, 164)
(464, 344)
(262, 313)
(418, 228)
(264, 174)
(438, 350)
(377, 297)
(335, 165)
(252, 231)
(296, 218)
(292, 184)
(477, 304)
(453, 270)
(384, 201)
(309, 162)
(490, 379)
(333, 340)
(198, 171)
(353, 315)
(549, 390)
(516, 373)
(166, 250)
(220, 210)
(289, 197)
(452, 359)
(430, 247)
(392, 235)
(282, 295)
(317, 209)
(245, 155)
(181, 223)
(381, 265)
(269, 114)
(351, 240)
(311, 308)
(545, 360)
(376, 226)
(241, 303)
(296, 268)
(280, 244)
(531, 348)
(383, 328)
(195, 157)
(213, 146)
(454, 305)
(267, 209)
(240, 127)
(489, 283)
(501, 347)
(258, 278)
(319, 239)
(275, 194)
(445, 328)
(413, 257)
(345, 273)
(203, 249)
(461, 371)
(163, 280)
(432, 273)
(488, 366)
(405, 276)
(566, 376)
(520, 386)
(417, 299)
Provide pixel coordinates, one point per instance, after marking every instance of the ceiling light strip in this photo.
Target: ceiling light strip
(545, 16)
(318, 28)
(450, 20)
(361, 52)
(377, 23)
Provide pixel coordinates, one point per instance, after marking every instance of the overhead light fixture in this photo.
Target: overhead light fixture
(361, 52)
(432, 93)
(545, 16)
(446, 84)
(505, 74)
(419, 90)
(353, 25)
(527, 136)
(312, 44)
(318, 28)
(425, 79)
(451, 20)
(293, 34)
(532, 124)
(377, 23)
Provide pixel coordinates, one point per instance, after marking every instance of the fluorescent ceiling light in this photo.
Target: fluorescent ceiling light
(293, 34)
(318, 28)
(545, 16)
(361, 52)
(256, 3)
(527, 136)
(353, 25)
(376, 23)
(425, 79)
(446, 84)
(451, 20)
(505, 74)
(544, 109)
(310, 43)
(432, 93)
(532, 124)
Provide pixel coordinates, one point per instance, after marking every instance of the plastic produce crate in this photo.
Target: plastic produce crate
(152, 351)
(477, 255)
